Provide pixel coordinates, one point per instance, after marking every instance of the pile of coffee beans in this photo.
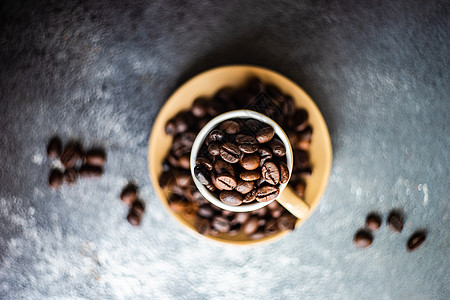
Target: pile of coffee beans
(242, 161)
(74, 162)
(129, 196)
(176, 179)
(395, 221)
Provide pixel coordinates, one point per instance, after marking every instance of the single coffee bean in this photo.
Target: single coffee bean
(250, 161)
(214, 136)
(133, 219)
(395, 221)
(416, 240)
(225, 182)
(373, 221)
(71, 154)
(253, 125)
(164, 178)
(230, 153)
(205, 211)
(259, 181)
(250, 175)
(265, 135)
(250, 196)
(138, 207)
(129, 194)
(55, 178)
(271, 227)
(260, 212)
(96, 157)
(70, 176)
(265, 155)
(202, 175)
(289, 106)
(170, 127)
(211, 187)
(301, 159)
(204, 162)
(270, 173)
(250, 226)
(300, 189)
(255, 86)
(284, 173)
(363, 238)
(240, 218)
(54, 148)
(221, 224)
(286, 222)
(183, 179)
(277, 147)
(247, 143)
(229, 127)
(200, 107)
(304, 173)
(300, 119)
(89, 171)
(183, 121)
(221, 167)
(244, 187)
(227, 214)
(232, 198)
(267, 193)
(203, 226)
(257, 235)
(214, 149)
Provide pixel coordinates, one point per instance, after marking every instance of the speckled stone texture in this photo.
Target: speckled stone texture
(99, 71)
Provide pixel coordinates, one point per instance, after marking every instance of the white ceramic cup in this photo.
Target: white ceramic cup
(238, 114)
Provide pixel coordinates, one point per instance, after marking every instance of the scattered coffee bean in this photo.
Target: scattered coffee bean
(71, 155)
(55, 178)
(363, 238)
(221, 224)
(96, 157)
(129, 194)
(395, 221)
(416, 240)
(89, 171)
(286, 222)
(133, 218)
(54, 148)
(373, 221)
(138, 207)
(70, 176)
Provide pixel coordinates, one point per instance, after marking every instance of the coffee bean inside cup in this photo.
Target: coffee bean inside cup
(233, 165)
(239, 163)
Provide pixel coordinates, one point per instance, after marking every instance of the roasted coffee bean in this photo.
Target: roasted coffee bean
(230, 153)
(183, 121)
(72, 153)
(270, 173)
(197, 197)
(250, 161)
(301, 159)
(244, 187)
(288, 106)
(203, 176)
(185, 139)
(257, 235)
(304, 173)
(271, 227)
(55, 178)
(275, 209)
(363, 238)
(202, 122)
(164, 178)
(129, 194)
(286, 222)
(183, 179)
(416, 240)
(265, 155)
(234, 229)
(89, 171)
(184, 162)
(240, 218)
(274, 93)
(267, 193)
(247, 143)
(170, 127)
(284, 173)
(214, 136)
(259, 181)
(225, 182)
(229, 127)
(204, 162)
(221, 224)
(250, 196)
(300, 119)
(138, 207)
(205, 211)
(250, 175)
(253, 125)
(277, 147)
(221, 167)
(96, 157)
(255, 86)
(227, 214)
(265, 134)
(54, 148)
(203, 226)
(260, 212)
(250, 226)
(211, 187)
(373, 221)
(70, 176)
(395, 221)
(200, 107)
(214, 149)
(133, 219)
(232, 198)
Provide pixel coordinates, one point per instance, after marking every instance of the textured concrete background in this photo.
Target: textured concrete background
(99, 71)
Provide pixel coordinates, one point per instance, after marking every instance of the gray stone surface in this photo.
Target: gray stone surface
(99, 71)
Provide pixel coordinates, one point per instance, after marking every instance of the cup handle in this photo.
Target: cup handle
(295, 205)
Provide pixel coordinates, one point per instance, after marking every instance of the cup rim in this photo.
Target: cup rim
(238, 114)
